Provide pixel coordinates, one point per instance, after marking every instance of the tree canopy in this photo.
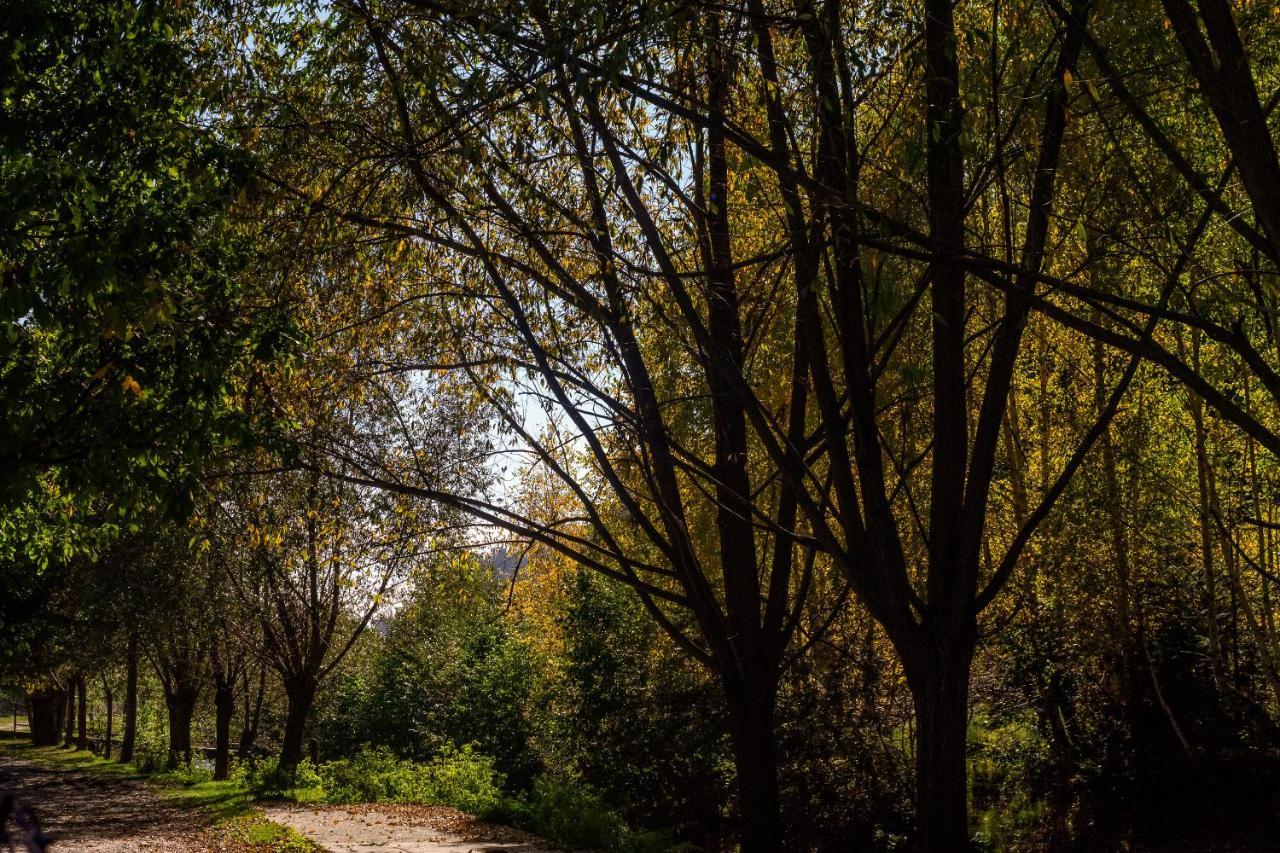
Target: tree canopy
(804, 425)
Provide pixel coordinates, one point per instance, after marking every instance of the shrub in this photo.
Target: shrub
(307, 775)
(1006, 755)
(463, 779)
(572, 813)
(263, 777)
(634, 721)
(149, 761)
(562, 810)
(372, 776)
(450, 671)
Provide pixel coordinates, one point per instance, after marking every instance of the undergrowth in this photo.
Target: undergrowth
(562, 811)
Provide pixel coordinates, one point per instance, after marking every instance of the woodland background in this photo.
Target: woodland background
(793, 425)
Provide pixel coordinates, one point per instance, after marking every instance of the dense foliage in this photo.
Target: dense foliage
(126, 317)
(814, 426)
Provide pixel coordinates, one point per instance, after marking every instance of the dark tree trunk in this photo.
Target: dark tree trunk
(130, 700)
(107, 695)
(939, 680)
(45, 709)
(69, 721)
(82, 733)
(300, 696)
(224, 706)
(249, 733)
(181, 707)
(751, 724)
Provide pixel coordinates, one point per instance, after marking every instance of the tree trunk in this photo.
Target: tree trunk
(751, 724)
(130, 700)
(224, 705)
(1210, 594)
(300, 696)
(82, 733)
(45, 708)
(939, 682)
(181, 706)
(69, 722)
(249, 733)
(107, 695)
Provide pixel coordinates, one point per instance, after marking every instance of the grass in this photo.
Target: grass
(68, 759)
(227, 805)
(258, 833)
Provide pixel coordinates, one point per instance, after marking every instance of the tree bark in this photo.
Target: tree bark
(46, 707)
(82, 733)
(751, 725)
(130, 700)
(1210, 594)
(224, 704)
(106, 741)
(1222, 68)
(69, 722)
(181, 706)
(252, 713)
(300, 695)
(938, 676)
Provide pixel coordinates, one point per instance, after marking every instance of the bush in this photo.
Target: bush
(463, 779)
(307, 775)
(450, 671)
(572, 813)
(1007, 757)
(637, 723)
(264, 778)
(149, 761)
(562, 810)
(373, 776)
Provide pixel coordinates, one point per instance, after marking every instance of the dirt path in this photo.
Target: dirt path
(92, 813)
(95, 814)
(388, 828)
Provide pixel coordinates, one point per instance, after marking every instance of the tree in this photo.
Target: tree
(704, 531)
(318, 557)
(45, 705)
(757, 309)
(235, 644)
(252, 713)
(180, 654)
(125, 322)
(1227, 306)
(661, 272)
(228, 667)
(128, 739)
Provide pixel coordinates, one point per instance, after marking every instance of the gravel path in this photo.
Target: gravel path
(388, 828)
(95, 814)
